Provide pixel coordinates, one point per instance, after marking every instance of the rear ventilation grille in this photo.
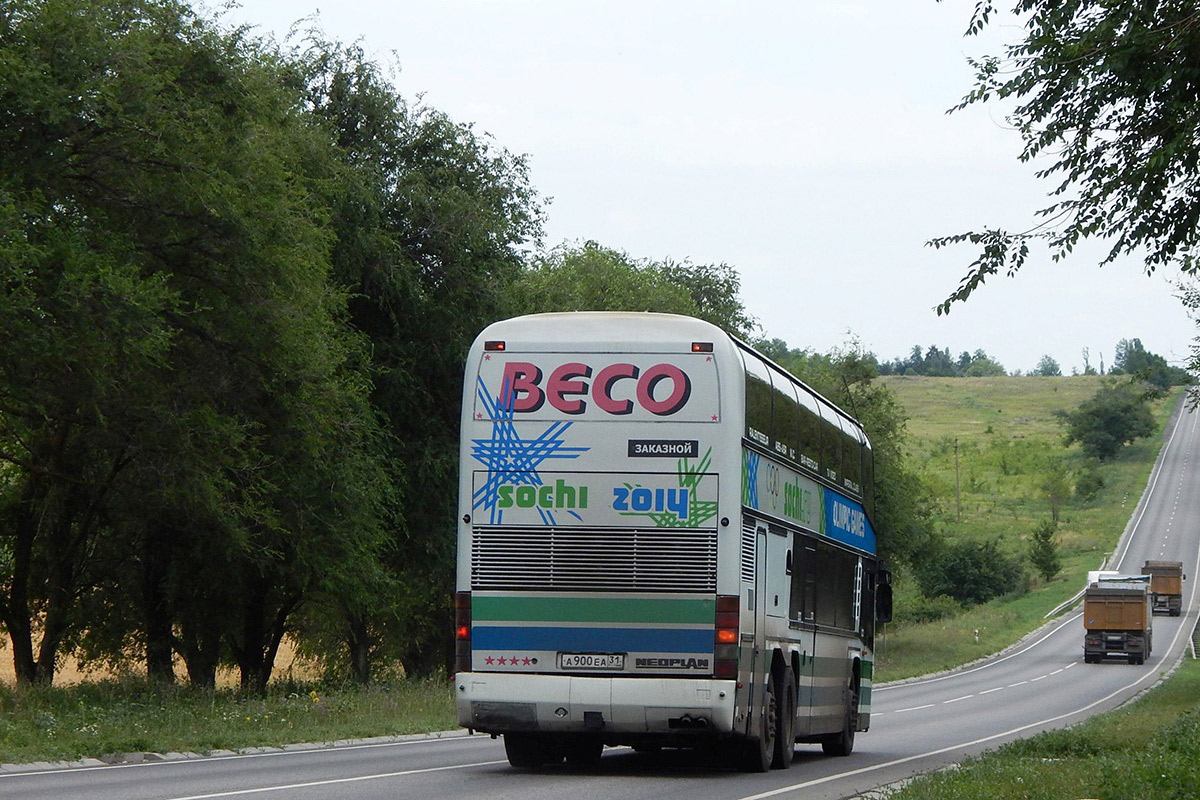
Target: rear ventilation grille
(571, 559)
(748, 549)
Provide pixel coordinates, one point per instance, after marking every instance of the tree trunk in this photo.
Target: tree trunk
(156, 566)
(359, 643)
(15, 607)
(256, 651)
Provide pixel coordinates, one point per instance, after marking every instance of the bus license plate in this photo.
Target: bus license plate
(614, 661)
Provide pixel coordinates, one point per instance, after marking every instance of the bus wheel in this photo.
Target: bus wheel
(526, 751)
(583, 751)
(759, 750)
(842, 743)
(785, 722)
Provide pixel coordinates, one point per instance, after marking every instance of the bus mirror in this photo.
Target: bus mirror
(883, 597)
(883, 604)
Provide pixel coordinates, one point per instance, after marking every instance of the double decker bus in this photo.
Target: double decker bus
(664, 539)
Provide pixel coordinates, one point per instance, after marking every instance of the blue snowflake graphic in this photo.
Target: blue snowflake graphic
(512, 460)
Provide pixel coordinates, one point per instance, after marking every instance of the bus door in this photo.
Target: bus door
(802, 620)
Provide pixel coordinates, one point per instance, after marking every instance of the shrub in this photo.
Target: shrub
(971, 573)
(1043, 551)
(927, 609)
(1088, 485)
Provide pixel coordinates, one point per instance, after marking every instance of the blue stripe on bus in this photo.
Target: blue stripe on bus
(607, 640)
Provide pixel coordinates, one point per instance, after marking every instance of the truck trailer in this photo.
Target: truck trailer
(1166, 586)
(1117, 619)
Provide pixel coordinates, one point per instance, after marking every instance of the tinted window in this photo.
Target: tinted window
(835, 595)
(786, 432)
(831, 445)
(852, 456)
(809, 447)
(758, 400)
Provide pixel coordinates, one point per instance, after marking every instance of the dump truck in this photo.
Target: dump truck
(1117, 618)
(1166, 585)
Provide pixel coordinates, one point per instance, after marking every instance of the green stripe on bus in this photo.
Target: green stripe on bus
(593, 609)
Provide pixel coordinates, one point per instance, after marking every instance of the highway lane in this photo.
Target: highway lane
(918, 726)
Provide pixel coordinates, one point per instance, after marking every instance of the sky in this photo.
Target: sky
(804, 143)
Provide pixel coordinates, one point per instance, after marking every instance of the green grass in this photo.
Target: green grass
(1148, 749)
(1008, 443)
(95, 719)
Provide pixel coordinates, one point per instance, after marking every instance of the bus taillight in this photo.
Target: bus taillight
(462, 632)
(725, 649)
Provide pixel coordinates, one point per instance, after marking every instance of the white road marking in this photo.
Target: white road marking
(914, 708)
(336, 781)
(238, 756)
(955, 700)
(989, 691)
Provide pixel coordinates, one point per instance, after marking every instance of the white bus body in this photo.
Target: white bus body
(663, 540)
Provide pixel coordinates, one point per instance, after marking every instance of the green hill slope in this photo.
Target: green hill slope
(992, 451)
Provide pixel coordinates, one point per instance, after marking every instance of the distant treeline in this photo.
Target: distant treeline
(1130, 358)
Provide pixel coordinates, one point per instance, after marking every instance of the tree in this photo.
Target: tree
(185, 412)
(970, 572)
(1132, 358)
(1047, 368)
(1057, 488)
(591, 277)
(431, 224)
(1111, 418)
(1043, 551)
(1107, 94)
(984, 366)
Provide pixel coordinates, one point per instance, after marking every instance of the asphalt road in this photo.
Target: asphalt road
(917, 726)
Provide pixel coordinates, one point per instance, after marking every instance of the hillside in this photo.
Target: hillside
(1013, 472)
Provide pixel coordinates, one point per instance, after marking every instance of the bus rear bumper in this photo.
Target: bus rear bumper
(683, 708)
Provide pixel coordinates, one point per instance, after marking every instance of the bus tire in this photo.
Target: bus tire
(583, 751)
(785, 721)
(759, 750)
(527, 751)
(842, 743)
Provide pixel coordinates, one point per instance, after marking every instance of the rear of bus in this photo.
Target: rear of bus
(590, 607)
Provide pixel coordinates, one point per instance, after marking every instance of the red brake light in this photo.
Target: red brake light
(462, 632)
(494, 345)
(725, 648)
(702, 347)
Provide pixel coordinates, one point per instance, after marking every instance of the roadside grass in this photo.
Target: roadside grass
(132, 715)
(1009, 443)
(1148, 749)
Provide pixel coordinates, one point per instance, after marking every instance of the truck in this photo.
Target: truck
(1117, 618)
(1166, 585)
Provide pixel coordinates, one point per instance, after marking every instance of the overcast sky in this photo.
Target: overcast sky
(805, 143)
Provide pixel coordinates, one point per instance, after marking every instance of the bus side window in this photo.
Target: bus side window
(786, 417)
(809, 444)
(758, 400)
(835, 587)
(852, 457)
(803, 601)
(831, 445)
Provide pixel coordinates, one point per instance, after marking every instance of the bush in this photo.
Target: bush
(1088, 485)
(971, 573)
(927, 609)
